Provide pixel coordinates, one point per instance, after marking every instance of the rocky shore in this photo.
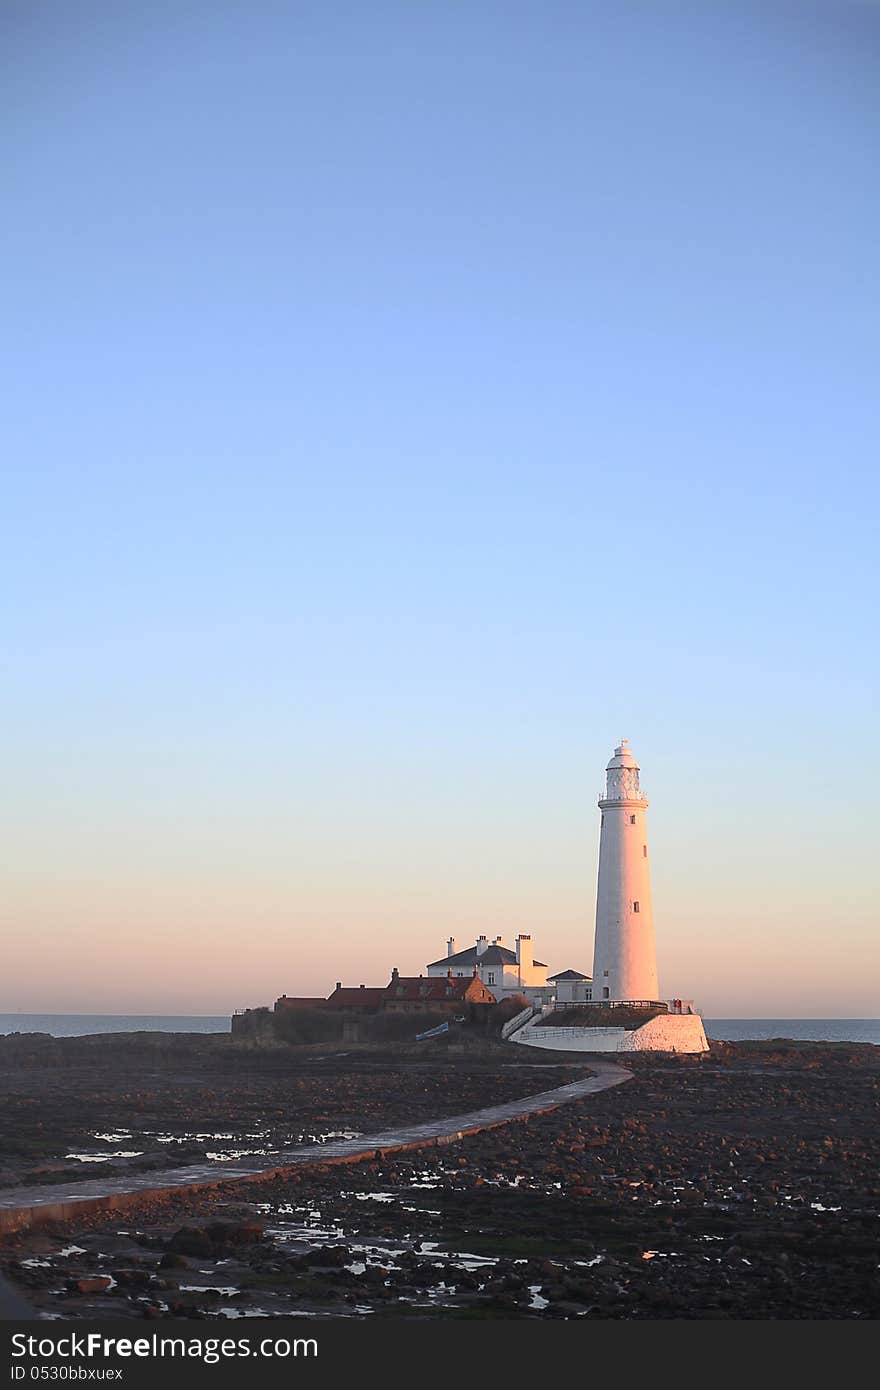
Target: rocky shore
(116, 1103)
(745, 1184)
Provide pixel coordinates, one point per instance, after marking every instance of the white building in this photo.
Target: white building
(572, 987)
(625, 959)
(501, 970)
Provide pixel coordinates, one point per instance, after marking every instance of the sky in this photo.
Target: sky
(402, 403)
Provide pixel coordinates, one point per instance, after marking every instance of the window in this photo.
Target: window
(644, 851)
(605, 994)
(632, 820)
(589, 995)
(491, 978)
(603, 820)
(635, 907)
(605, 973)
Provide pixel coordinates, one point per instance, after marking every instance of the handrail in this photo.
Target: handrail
(685, 1006)
(517, 1021)
(613, 1004)
(576, 1032)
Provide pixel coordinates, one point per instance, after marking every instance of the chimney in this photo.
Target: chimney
(499, 941)
(339, 984)
(395, 974)
(450, 946)
(482, 944)
(524, 957)
(363, 986)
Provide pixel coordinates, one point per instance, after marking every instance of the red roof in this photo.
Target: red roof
(354, 996)
(288, 1001)
(432, 988)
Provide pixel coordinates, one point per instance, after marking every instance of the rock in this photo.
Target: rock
(330, 1256)
(133, 1278)
(91, 1283)
(191, 1240)
(172, 1260)
(232, 1233)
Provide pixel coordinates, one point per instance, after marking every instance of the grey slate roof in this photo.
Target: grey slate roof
(493, 955)
(569, 975)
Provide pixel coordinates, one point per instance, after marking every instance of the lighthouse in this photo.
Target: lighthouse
(624, 959)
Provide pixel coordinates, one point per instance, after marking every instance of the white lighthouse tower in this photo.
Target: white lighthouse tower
(624, 959)
(624, 963)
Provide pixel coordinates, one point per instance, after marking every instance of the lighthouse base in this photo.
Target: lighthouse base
(665, 1033)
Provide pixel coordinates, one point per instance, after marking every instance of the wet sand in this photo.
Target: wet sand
(742, 1185)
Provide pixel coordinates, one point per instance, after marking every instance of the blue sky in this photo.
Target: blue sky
(403, 403)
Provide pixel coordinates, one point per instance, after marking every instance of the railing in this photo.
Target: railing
(671, 1006)
(612, 1004)
(516, 1022)
(682, 1006)
(572, 1032)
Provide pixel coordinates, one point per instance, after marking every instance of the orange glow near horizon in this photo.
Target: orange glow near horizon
(200, 928)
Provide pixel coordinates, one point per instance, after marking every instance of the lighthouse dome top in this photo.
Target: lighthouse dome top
(623, 757)
(622, 777)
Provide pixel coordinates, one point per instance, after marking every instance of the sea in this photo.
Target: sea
(81, 1025)
(863, 1030)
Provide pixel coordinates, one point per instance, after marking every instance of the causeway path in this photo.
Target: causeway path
(24, 1207)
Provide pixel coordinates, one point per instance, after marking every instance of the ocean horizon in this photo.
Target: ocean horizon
(83, 1025)
(862, 1030)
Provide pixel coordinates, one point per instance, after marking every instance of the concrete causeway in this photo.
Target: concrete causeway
(24, 1207)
